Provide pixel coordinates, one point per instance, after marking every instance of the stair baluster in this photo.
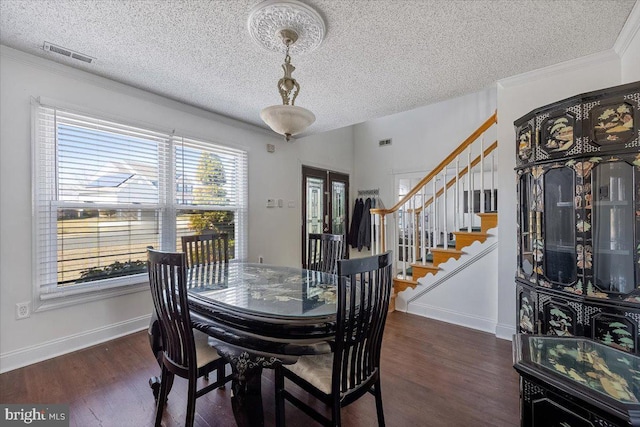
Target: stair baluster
(445, 232)
(482, 174)
(456, 199)
(469, 192)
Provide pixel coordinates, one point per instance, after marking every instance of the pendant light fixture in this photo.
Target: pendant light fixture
(287, 27)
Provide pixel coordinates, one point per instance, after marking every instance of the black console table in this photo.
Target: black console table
(576, 382)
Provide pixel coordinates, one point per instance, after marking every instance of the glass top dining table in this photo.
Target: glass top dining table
(259, 316)
(258, 306)
(264, 289)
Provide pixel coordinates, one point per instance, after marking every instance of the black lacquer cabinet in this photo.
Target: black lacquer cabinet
(578, 180)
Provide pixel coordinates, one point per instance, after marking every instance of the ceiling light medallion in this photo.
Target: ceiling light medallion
(287, 27)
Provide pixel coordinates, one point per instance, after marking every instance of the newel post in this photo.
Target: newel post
(381, 231)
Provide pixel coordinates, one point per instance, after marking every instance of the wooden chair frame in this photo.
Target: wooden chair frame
(324, 251)
(208, 248)
(168, 280)
(364, 290)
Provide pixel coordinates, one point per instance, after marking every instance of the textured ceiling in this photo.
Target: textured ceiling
(379, 57)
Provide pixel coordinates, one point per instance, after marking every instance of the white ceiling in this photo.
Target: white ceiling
(379, 57)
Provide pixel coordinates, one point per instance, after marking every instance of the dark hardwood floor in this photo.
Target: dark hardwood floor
(433, 374)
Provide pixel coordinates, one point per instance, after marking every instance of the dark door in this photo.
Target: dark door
(325, 195)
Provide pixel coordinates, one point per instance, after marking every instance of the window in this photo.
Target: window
(105, 191)
(210, 185)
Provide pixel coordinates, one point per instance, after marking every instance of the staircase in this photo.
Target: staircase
(450, 209)
(440, 255)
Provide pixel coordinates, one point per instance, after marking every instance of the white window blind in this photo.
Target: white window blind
(211, 191)
(105, 191)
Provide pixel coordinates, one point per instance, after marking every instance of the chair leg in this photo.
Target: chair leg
(162, 396)
(191, 402)
(379, 410)
(154, 383)
(221, 371)
(335, 414)
(279, 388)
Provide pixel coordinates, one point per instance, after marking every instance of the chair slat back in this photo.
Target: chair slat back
(167, 279)
(324, 252)
(201, 249)
(364, 290)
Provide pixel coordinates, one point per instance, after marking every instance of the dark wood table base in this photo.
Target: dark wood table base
(246, 399)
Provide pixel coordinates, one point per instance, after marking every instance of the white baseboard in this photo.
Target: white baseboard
(456, 318)
(505, 331)
(50, 349)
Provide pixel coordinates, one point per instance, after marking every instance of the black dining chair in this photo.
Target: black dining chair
(353, 368)
(208, 248)
(185, 352)
(324, 251)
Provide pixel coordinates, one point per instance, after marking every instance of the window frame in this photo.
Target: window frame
(47, 294)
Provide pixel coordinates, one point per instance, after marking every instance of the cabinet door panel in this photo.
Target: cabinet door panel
(559, 132)
(559, 260)
(527, 308)
(545, 412)
(616, 328)
(612, 121)
(528, 245)
(559, 319)
(613, 215)
(612, 232)
(525, 143)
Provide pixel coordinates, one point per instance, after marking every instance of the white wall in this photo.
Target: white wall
(517, 96)
(280, 177)
(422, 138)
(476, 281)
(630, 38)
(631, 61)
(332, 150)
(273, 232)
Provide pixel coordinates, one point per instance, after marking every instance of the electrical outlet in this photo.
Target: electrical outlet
(23, 310)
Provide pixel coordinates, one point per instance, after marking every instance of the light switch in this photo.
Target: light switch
(271, 203)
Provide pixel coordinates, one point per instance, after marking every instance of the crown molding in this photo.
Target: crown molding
(105, 83)
(629, 30)
(562, 67)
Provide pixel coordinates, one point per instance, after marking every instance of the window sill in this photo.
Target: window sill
(79, 294)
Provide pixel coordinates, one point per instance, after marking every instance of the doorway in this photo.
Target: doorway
(325, 195)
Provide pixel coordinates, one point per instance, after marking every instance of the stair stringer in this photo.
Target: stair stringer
(470, 292)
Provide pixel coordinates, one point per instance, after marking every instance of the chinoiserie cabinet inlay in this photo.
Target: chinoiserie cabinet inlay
(578, 181)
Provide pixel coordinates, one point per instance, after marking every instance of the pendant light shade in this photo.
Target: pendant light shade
(287, 120)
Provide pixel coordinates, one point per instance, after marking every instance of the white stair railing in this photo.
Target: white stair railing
(426, 216)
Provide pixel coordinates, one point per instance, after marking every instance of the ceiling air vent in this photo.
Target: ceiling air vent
(384, 142)
(48, 47)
